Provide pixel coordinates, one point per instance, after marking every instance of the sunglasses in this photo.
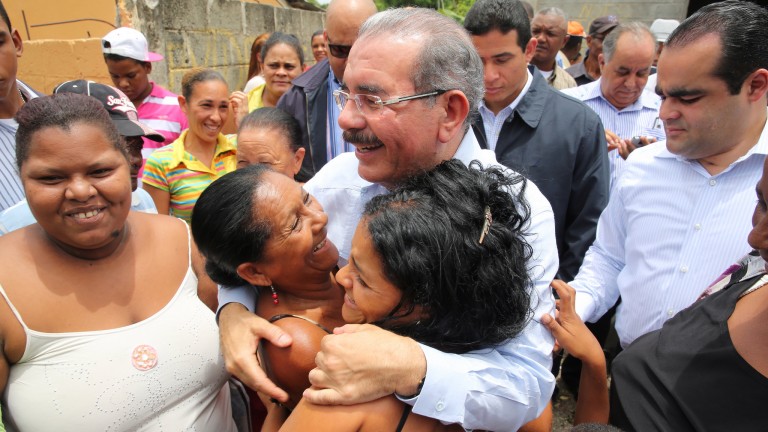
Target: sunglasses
(339, 51)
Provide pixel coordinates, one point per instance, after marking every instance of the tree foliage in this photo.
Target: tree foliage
(455, 9)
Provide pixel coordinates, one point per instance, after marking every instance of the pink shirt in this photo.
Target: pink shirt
(160, 111)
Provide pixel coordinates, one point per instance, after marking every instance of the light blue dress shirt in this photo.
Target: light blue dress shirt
(669, 230)
(19, 215)
(639, 119)
(11, 190)
(333, 133)
(494, 389)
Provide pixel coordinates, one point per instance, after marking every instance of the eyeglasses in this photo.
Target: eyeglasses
(339, 51)
(368, 104)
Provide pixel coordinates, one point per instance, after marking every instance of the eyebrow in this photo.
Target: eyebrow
(369, 89)
(504, 54)
(357, 268)
(679, 92)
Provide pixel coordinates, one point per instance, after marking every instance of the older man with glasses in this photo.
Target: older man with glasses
(408, 116)
(310, 100)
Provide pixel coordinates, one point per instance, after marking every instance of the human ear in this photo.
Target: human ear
(252, 275)
(298, 158)
(16, 37)
(183, 104)
(757, 85)
(456, 111)
(530, 49)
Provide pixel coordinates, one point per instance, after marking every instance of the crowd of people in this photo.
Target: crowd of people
(419, 232)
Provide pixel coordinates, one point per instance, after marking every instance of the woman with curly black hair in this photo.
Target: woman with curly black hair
(441, 259)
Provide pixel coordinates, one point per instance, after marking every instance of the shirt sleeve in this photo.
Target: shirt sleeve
(244, 294)
(596, 285)
(503, 388)
(154, 173)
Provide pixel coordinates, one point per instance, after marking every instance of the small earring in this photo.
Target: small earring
(274, 295)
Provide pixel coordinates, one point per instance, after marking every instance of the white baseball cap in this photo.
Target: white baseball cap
(130, 43)
(662, 28)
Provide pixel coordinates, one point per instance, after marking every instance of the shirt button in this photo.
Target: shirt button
(670, 313)
(440, 406)
(712, 182)
(684, 269)
(697, 227)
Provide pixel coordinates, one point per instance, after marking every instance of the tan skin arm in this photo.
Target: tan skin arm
(571, 334)
(290, 366)
(542, 423)
(161, 198)
(240, 332)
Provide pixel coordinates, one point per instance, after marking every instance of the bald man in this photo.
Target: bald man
(310, 100)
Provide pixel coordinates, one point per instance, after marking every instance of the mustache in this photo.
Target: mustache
(356, 136)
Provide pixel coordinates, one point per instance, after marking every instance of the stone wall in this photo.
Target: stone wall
(189, 33)
(212, 33)
(644, 11)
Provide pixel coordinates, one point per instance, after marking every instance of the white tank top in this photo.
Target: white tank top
(165, 373)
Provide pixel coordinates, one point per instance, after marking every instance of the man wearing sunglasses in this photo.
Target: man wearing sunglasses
(411, 86)
(310, 100)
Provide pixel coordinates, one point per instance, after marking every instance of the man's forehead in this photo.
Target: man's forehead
(682, 66)
(550, 20)
(372, 68)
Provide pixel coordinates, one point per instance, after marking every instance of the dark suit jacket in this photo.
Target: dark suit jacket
(307, 102)
(558, 143)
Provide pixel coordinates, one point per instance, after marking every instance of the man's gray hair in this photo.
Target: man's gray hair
(447, 60)
(556, 11)
(638, 29)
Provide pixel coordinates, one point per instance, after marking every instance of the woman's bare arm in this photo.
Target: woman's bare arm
(571, 333)
(161, 198)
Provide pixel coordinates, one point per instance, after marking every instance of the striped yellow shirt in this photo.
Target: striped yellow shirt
(173, 169)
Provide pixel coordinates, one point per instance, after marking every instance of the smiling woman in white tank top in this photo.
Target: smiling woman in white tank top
(101, 325)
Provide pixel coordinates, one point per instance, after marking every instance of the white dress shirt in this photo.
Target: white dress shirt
(494, 389)
(639, 119)
(669, 230)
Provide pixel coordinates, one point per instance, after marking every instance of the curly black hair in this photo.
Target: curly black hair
(427, 235)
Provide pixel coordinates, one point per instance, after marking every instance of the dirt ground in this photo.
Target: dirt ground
(563, 409)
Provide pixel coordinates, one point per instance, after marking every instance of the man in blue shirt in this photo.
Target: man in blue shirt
(680, 212)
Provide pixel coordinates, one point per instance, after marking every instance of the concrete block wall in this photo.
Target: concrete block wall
(644, 11)
(212, 33)
(46, 63)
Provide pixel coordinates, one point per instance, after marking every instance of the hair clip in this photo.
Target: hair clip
(486, 224)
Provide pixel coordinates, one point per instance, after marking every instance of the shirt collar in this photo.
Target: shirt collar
(335, 84)
(509, 108)
(224, 144)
